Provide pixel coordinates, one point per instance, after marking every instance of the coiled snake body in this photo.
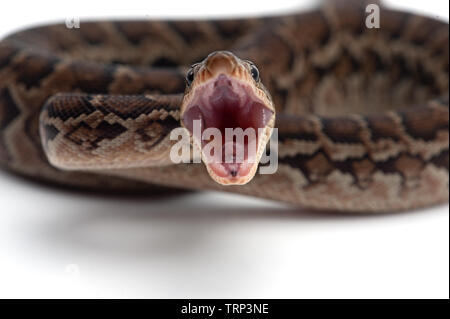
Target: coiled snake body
(363, 122)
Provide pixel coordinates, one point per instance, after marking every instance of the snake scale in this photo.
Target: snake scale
(362, 114)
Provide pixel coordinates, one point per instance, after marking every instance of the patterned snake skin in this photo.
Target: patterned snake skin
(364, 112)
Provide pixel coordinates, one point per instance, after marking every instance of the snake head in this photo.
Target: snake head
(229, 115)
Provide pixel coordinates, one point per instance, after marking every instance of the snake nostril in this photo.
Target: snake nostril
(221, 61)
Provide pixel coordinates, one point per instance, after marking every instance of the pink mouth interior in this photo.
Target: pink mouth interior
(227, 103)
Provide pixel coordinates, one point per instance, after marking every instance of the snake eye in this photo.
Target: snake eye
(255, 73)
(190, 76)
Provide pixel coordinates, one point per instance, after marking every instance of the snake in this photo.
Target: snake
(360, 114)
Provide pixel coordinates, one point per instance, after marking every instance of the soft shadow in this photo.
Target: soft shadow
(165, 229)
(166, 223)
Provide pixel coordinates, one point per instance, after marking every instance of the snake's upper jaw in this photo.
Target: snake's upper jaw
(231, 125)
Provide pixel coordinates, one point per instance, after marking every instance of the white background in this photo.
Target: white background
(209, 245)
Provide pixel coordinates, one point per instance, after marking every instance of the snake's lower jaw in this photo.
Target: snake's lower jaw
(246, 174)
(236, 172)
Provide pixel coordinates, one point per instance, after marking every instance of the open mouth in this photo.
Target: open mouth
(227, 120)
